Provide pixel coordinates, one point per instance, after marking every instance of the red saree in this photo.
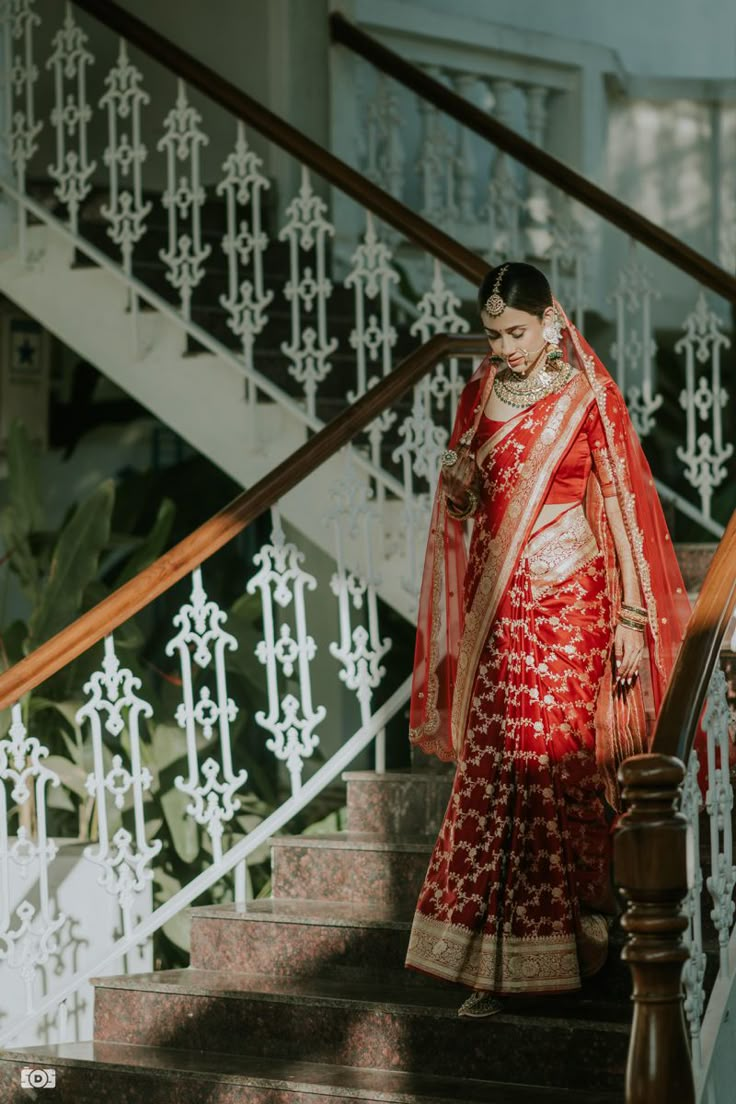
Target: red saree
(513, 679)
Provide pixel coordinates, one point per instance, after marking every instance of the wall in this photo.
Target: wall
(275, 50)
(656, 38)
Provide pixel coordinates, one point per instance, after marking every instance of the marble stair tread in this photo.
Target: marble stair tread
(440, 1001)
(302, 938)
(350, 939)
(370, 1024)
(353, 841)
(192, 1070)
(283, 910)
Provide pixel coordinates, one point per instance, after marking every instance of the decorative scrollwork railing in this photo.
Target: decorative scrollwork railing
(113, 713)
(429, 126)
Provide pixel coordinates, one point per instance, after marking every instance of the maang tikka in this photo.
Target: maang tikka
(494, 303)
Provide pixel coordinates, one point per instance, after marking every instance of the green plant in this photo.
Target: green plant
(60, 572)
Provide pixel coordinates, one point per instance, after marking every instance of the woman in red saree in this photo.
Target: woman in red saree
(543, 651)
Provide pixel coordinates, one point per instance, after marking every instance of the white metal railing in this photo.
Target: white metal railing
(503, 211)
(127, 171)
(708, 802)
(115, 718)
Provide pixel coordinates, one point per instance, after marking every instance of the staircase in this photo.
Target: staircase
(304, 997)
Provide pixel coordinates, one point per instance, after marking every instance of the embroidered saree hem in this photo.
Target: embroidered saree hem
(505, 965)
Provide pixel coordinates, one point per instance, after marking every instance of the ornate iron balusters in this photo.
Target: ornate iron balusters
(308, 290)
(634, 348)
(292, 720)
(704, 454)
(24, 778)
(124, 155)
(184, 198)
(70, 116)
(244, 245)
(124, 857)
(202, 642)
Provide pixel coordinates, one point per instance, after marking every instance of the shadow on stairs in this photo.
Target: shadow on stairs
(304, 999)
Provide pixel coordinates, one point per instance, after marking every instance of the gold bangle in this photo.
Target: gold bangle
(631, 625)
(634, 609)
(633, 617)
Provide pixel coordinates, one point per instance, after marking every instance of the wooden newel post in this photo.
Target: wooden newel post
(650, 869)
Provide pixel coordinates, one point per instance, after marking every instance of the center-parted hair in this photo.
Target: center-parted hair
(522, 287)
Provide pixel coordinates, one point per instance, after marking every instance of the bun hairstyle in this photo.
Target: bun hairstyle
(522, 286)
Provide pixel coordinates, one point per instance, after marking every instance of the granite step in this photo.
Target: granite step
(397, 805)
(302, 938)
(351, 940)
(349, 866)
(576, 1041)
(93, 1072)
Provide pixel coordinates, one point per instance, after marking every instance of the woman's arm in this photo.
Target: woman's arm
(629, 643)
(629, 579)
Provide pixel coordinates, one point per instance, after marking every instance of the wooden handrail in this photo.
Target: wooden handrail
(277, 130)
(688, 686)
(179, 561)
(534, 158)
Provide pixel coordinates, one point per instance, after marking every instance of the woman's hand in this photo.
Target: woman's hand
(628, 648)
(460, 478)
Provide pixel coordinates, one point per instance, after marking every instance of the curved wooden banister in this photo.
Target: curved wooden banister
(278, 131)
(688, 686)
(181, 560)
(534, 158)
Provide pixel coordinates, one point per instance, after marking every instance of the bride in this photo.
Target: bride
(542, 655)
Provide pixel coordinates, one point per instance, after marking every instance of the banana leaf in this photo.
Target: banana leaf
(74, 564)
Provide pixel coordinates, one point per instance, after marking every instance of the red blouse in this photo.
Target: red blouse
(587, 453)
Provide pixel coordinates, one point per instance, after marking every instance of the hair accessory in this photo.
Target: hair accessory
(552, 330)
(494, 303)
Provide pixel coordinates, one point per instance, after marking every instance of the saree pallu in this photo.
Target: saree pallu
(523, 852)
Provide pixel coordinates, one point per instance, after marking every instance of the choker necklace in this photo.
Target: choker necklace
(525, 392)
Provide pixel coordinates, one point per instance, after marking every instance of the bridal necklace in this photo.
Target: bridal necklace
(530, 389)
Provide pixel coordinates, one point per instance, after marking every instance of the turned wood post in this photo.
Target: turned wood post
(650, 869)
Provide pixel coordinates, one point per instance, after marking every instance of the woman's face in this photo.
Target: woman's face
(515, 333)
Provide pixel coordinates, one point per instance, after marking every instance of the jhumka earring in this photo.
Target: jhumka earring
(494, 303)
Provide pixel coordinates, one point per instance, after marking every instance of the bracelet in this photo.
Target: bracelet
(631, 624)
(636, 617)
(635, 609)
(461, 513)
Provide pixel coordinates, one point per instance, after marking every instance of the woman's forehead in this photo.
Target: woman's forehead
(509, 320)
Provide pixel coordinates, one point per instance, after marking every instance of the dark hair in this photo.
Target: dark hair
(522, 287)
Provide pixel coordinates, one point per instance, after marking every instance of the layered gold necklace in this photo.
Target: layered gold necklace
(526, 391)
